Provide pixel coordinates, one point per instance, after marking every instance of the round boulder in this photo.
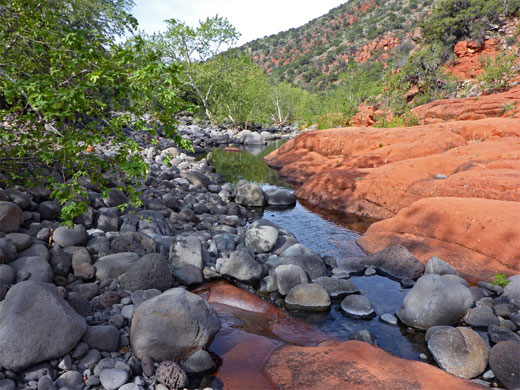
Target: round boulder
(150, 271)
(397, 262)
(11, 217)
(287, 276)
(249, 195)
(64, 236)
(460, 351)
(173, 326)
(36, 324)
(241, 266)
(357, 306)
(504, 360)
(309, 297)
(435, 300)
(262, 238)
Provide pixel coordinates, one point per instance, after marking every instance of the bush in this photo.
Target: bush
(499, 72)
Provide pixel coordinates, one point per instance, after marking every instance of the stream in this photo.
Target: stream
(328, 234)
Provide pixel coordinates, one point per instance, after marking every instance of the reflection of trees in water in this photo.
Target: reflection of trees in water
(235, 166)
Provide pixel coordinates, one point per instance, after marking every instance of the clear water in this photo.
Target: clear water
(334, 235)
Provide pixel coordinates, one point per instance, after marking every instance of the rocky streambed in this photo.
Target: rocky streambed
(122, 301)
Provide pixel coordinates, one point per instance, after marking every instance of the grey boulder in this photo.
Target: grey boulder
(287, 276)
(505, 362)
(112, 266)
(439, 267)
(249, 195)
(435, 300)
(308, 297)
(37, 268)
(64, 236)
(241, 266)
(337, 288)
(357, 306)
(36, 316)
(150, 271)
(261, 239)
(397, 262)
(185, 259)
(11, 217)
(173, 326)
(280, 198)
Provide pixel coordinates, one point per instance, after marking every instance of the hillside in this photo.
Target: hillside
(312, 55)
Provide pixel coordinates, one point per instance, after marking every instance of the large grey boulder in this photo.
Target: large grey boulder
(173, 326)
(185, 259)
(280, 198)
(459, 351)
(435, 300)
(241, 266)
(37, 268)
(36, 324)
(504, 360)
(397, 262)
(64, 236)
(308, 297)
(261, 239)
(150, 271)
(135, 242)
(310, 261)
(21, 241)
(287, 276)
(249, 194)
(11, 217)
(113, 266)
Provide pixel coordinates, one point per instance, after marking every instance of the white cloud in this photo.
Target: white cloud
(253, 19)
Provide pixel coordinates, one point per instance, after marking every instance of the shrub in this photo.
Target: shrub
(498, 72)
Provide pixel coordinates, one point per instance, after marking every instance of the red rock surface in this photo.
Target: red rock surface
(257, 341)
(506, 104)
(478, 237)
(354, 365)
(378, 172)
(468, 63)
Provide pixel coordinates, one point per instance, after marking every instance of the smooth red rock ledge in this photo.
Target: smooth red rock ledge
(262, 347)
(478, 237)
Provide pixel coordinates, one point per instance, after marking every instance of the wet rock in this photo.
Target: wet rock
(280, 198)
(388, 318)
(102, 338)
(249, 194)
(505, 362)
(397, 262)
(112, 266)
(200, 361)
(481, 317)
(150, 271)
(172, 375)
(64, 236)
(365, 336)
(439, 267)
(11, 217)
(261, 239)
(173, 325)
(357, 306)
(308, 297)
(435, 300)
(241, 266)
(36, 340)
(459, 351)
(337, 288)
(287, 276)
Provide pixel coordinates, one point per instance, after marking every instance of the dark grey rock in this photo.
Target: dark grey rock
(435, 300)
(49, 210)
(197, 178)
(19, 197)
(39, 250)
(7, 274)
(308, 297)
(70, 379)
(108, 220)
(90, 360)
(310, 261)
(79, 303)
(287, 276)
(11, 217)
(173, 325)
(70, 237)
(365, 336)
(34, 373)
(241, 266)
(60, 261)
(505, 362)
(98, 244)
(249, 195)
(497, 334)
(337, 288)
(186, 259)
(397, 262)
(357, 306)
(9, 250)
(112, 266)
(459, 351)
(504, 309)
(102, 338)
(139, 296)
(7, 384)
(280, 198)
(115, 198)
(200, 361)
(171, 375)
(36, 340)
(37, 268)
(439, 267)
(21, 241)
(45, 383)
(150, 271)
(139, 243)
(223, 243)
(481, 317)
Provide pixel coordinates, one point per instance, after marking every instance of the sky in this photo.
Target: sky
(253, 19)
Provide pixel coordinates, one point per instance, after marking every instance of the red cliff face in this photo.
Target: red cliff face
(379, 172)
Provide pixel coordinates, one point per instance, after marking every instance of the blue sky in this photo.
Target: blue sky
(253, 19)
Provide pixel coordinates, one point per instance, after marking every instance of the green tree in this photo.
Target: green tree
(62, 77)
(199, 51)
